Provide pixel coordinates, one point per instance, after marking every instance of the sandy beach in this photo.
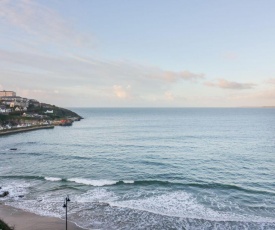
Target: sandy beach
(22, 220)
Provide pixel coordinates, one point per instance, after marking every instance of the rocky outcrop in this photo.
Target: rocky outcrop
(4, 193)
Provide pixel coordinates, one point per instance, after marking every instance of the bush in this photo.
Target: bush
(4, 226)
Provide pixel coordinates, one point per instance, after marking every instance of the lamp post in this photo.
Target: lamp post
(65, 205)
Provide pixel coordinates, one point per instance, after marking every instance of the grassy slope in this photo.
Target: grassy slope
(58, 113)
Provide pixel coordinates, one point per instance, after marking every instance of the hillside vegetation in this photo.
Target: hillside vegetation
(4, 226)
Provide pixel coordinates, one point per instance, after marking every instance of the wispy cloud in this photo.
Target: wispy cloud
(88, 70)
(171, 76)
(263, 97)
(224, 84)
(271, 81)
(72, 74)
(40, 21)
(35, 93)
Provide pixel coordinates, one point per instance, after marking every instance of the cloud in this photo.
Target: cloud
(224, 84)
(73, 76)
(121, 92)
(171, 76)
(264, 94)
(40, 22)
(271, 81)
(42, 95)
(169, 96)
(74, 70)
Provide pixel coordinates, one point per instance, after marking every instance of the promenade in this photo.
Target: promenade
(24, 129)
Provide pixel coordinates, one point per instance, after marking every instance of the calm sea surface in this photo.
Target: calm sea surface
(148, 169)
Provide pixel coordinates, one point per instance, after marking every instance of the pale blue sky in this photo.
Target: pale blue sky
(139, 53)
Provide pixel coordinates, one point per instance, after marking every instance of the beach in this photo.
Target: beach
(22, 220)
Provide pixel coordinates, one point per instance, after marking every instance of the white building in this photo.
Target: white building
(15, 101)
(49, 111)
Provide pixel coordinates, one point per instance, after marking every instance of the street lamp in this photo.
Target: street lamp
(65, 205)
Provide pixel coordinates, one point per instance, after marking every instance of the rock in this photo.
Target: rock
(3, 194)
(103, 204)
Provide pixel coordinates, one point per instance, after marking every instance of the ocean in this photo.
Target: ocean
(143, 168)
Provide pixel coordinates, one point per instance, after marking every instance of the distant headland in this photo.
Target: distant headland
(19, 114)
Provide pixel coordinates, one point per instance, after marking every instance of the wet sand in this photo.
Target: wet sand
(22, 220)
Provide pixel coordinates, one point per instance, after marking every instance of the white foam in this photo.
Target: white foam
(173, 204)
(92, 182)
(53, 178)
(42, 208)
(95, 195)
(129, 181)
(184, 205)
(15, 188)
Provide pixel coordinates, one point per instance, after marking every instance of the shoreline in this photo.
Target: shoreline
(24, 129)
(22, 220)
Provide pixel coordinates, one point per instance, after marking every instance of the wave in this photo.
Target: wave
(53, 178)
(170, 205)
(108, 182)
(128, 181)
(33, 178)
(23, 177)
(100, 182)
(92, 182)
(198, 185)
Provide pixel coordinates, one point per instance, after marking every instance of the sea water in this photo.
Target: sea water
(134, 168)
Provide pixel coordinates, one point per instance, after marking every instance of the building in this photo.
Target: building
(49, 111)
(15, 101)
(2, 109)
(7, 100)
(7, 94)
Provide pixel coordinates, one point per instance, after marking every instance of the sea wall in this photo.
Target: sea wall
(24, 129)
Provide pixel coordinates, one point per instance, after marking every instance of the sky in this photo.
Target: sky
(156, 53)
